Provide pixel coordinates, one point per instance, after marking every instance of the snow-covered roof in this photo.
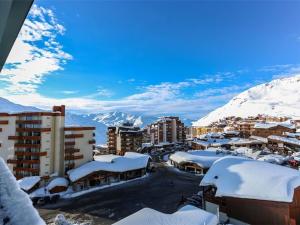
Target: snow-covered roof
(241, 141)
(272, 158)
(15, 203)
(112, 163)
(187, 215)
(271, 125)
(27, 183)
(246, 178)
(293, 141)
(262, 139)
(58, 181)
(203, 158)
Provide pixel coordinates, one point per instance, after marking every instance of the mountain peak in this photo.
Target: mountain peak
(279, 97)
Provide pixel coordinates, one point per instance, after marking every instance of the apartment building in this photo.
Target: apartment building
(167, 130)
(33, 143)
(79, 145)
(124, 138)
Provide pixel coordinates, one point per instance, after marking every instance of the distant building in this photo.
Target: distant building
(168, 129)
(39, 144)
(124, 138)
(245, 191)
(267, 129)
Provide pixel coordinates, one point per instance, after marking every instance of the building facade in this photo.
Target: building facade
(167, 130)
(124, 138)
(33, 143)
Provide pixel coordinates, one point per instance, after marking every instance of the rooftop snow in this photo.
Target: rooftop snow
(187, 215)
(27, 183)
(15, 203)
(293, 141)
(112, 163)
(58, 181)
(246, 178)
(272, 158)
(270, 125)
(203, 158)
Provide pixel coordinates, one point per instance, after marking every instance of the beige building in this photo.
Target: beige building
(167, 130)
(33, 143)
(124, 138)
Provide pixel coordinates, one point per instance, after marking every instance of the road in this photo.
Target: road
(162, 190)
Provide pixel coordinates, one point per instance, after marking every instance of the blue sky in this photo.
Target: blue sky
(155, 57)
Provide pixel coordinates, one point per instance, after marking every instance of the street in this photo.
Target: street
(162, 190)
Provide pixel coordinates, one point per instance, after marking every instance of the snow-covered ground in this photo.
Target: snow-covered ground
(16, 207)
(276, 98)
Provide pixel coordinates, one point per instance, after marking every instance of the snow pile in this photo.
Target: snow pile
(110, 163)
(203, 158)
(61, 220)
(15, 204)
(246, 178)
(27, 183)
(187, 215)
(276, 98)
(272, 158)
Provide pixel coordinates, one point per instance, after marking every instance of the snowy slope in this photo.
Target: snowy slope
(8, 106)
(280, 97)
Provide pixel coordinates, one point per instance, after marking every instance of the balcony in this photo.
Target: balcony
(33, 170)
(28, 121)
(92, 142)
(22, 145)
(19, 153)
(33, 129)
(24, 137)
(72, 150)
(73, 157)
(73, 136)
(23, 161)
(3, 122)
(69, 143)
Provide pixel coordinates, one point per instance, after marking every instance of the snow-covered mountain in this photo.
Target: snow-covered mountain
(99, 120)
(102, 120)
(280, 97)
(8, 106)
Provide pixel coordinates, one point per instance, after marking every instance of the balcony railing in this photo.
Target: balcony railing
(22, 153)
(69, 143)
(33, 170)
(33, 129)
(73, 136)
(92, 141)
(22, 145)
(72, 150)
(24, 137)
(23, 161)
(28, 121)
(73, 157)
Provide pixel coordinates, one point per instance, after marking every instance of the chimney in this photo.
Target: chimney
(61, 109)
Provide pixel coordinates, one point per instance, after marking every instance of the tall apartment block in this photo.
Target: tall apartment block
(167, 130)
(124, 138)
(37, 143)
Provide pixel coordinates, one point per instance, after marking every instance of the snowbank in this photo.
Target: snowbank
(16, 204)
(27, 183)
(187, 215)
(246, 178)
(110, 163)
